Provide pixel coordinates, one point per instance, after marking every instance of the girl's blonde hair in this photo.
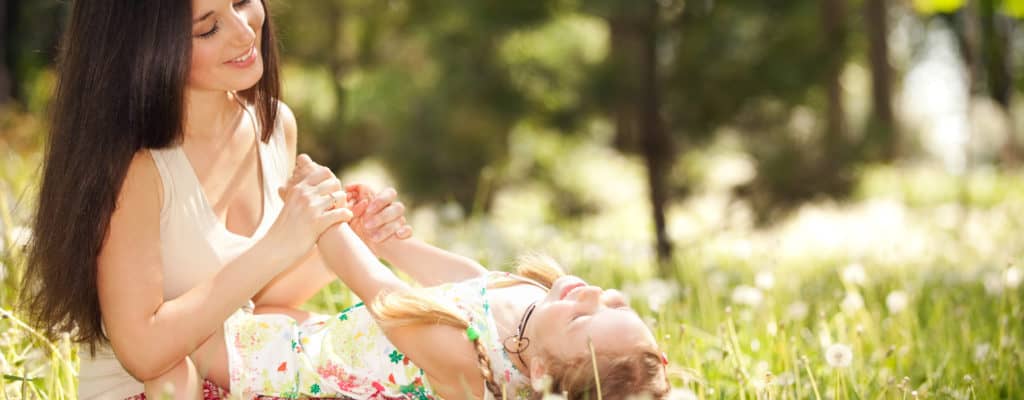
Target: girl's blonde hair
(628, 374)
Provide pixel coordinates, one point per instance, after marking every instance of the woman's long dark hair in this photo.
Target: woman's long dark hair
(123, 68)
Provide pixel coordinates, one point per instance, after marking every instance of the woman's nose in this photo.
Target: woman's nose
(243, 32)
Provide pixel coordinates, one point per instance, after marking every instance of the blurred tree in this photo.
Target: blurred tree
(883, 133)
(834, 31)
(421, 83)
(984, 30)
(29, 32)
(634, 91)
(7, 8)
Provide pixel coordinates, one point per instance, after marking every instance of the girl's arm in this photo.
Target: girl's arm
(443, 351)
(427, 264)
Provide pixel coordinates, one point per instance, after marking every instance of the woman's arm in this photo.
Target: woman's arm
(149, 335)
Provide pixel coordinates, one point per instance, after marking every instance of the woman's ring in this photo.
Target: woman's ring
(334, 201)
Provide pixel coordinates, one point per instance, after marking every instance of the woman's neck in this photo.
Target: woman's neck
(209, 115)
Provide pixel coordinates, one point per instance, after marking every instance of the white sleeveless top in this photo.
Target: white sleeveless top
(195, 245)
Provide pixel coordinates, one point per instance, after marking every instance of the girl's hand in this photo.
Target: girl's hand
(313, 201)
(377, 217)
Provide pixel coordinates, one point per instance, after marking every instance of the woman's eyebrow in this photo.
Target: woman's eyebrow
(205, 16)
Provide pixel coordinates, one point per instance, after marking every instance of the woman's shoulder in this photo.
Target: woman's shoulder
(288, 124)
(142, 183)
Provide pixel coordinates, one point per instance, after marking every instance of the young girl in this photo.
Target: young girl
(157, 215)
(469, 334)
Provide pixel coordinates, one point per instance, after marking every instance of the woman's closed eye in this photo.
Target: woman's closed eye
(216, 25)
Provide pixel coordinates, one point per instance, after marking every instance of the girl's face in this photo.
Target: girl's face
(574, 313)
(226, 44)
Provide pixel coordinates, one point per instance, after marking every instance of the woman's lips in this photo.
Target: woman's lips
(245, 60)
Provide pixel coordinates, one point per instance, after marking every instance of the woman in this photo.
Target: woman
(156, 217)
(472, 335)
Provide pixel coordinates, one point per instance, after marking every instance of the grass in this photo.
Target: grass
(922, 290)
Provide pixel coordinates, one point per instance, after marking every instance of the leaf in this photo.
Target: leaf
(1014, 8)
(929, 7)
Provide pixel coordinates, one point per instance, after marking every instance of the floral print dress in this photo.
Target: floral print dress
(347, 355)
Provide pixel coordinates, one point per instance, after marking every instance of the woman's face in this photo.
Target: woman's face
(226, 44)
(573, 313)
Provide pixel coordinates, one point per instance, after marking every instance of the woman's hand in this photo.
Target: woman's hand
(313, 201)
(377, 217)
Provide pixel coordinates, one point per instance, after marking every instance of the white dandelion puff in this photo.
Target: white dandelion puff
(797, 311)
(852, 303)
(682, 394)
(764, 280)
(657, 292)
(839, 356)
(896, 301)
(1012, 277)
(20, 236)
(993, 284)
(981, 351)
(854, 274)
(747, 295)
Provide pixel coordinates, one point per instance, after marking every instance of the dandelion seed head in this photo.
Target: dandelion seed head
(684, 394)
(981, 351)
(747, 295)
(765, 280)
(896, 301)
(993, 284)
(839, 355)
(852, 303)
(797, 311)
(20, 236)
(854, 274)
(1012, 277)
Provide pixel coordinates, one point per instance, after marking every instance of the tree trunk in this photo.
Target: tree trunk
(887, 135)
(999, 81)
(6, 28)
(656, 143)
(834, 26)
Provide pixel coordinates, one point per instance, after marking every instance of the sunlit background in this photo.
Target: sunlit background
(805, 198)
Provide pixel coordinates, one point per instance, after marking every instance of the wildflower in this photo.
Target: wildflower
(784, 379)
(657, 292)
(682, 394)
(20, 236)
(764, 280)
(1012, 277)
(993, 284)
(542, 384)
(839, 355)
(797, 311)
(852, 303)
(747, 295)
(896, 301)
(854, 274)
(981, 351)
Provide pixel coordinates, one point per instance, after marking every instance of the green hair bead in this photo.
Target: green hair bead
(472, 333)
